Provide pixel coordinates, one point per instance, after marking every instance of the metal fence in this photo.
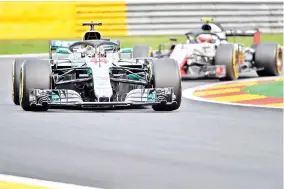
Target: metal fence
(168, 17)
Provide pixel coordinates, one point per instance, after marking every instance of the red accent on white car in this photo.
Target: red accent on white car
(219, 71)
(96, 60)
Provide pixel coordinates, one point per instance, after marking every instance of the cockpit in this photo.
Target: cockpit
(98, 52)
(92, 49)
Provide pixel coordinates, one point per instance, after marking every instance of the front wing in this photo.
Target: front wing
(65, 98)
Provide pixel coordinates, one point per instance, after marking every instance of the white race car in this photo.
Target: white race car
(207, 53)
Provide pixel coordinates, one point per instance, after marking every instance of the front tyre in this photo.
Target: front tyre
(16, 69)
(226, 54)
(166, 74)
(35, 74)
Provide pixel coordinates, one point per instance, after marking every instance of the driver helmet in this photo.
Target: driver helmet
(89, 51)
(95, 52)
(100, 52)
(215, 28)
(205, 38)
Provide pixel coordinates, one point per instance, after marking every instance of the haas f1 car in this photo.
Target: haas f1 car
(207, 53)
(95, 75)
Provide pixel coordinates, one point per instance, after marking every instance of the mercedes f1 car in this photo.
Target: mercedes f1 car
(208, 54)
(94, 74)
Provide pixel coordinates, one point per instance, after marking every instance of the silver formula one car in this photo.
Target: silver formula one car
(94, 75)
(207, 53)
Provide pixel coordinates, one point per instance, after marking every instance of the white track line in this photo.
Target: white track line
(41, 183)
(188, 93)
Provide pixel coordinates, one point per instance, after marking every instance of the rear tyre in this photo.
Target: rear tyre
(16, 69)
(269, 57)
(226, 54)
(34, 74)
(141, 51)
(166, 73)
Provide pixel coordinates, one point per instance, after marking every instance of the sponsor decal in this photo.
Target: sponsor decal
(151, 97)
(97, 60)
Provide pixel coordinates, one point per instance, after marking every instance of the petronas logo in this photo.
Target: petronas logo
(151, 97)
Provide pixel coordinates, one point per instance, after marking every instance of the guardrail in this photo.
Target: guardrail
(62, 20)
(168, 17)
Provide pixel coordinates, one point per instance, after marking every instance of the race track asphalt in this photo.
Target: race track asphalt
(200, 146)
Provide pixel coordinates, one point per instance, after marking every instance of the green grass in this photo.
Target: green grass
(271, 89)
(41, 46)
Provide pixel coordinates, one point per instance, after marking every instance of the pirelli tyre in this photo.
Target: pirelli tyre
(166, 73)
(142, 51)
(34, 74)
(268, 58)
(226, 54)
(16, 69)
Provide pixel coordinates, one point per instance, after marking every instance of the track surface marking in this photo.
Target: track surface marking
(230, 93)
(12, 182)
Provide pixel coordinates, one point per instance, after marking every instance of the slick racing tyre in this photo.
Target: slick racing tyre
(269, 57)
(166, 73)
(35, 74)
(141, 51)
(226, 54)
(16, 69)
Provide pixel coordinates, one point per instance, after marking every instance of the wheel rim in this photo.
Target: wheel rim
(22, 84)
(279, 60)
(235, 65)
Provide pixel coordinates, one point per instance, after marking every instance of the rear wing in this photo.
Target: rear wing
(255, 33)
(248, 33)
(56, 44)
